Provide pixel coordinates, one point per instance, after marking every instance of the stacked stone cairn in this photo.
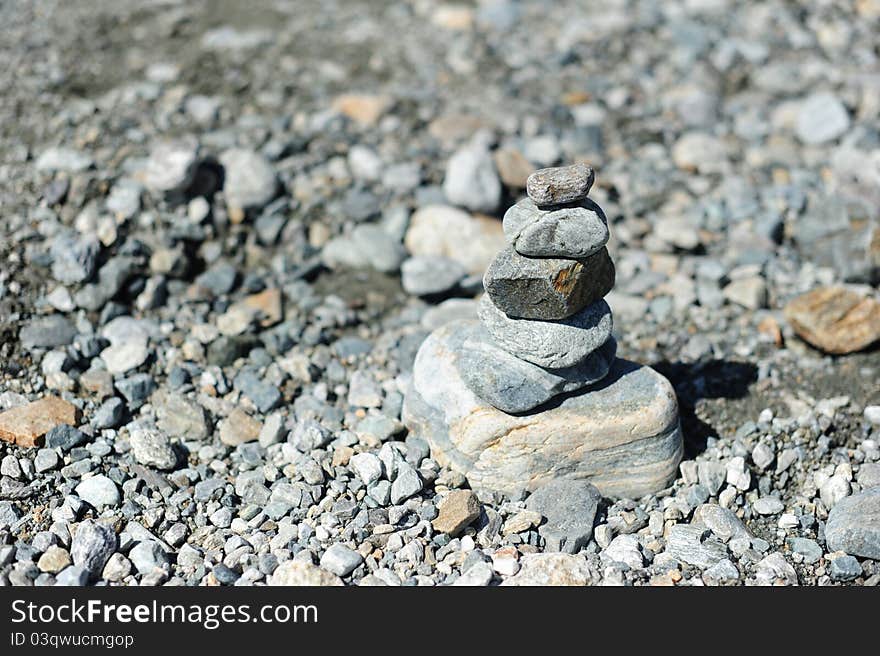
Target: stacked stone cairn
(532, 393)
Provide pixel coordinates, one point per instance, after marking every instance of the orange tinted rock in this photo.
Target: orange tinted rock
(26, 424)
(835, 319)
(513, 167)
(362, 108)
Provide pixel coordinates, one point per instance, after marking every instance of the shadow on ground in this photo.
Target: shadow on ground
(693, 382)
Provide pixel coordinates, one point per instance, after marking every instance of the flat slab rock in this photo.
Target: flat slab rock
(547, 288)
(511, 384)
(25, 425)
(835, 319)
(621, 435)
(552, 344)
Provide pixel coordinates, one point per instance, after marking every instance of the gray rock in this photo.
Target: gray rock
(694, 545)
(547, 288)
(569, 507)
(74, 258)
(427, 275)
(148, 556)
(180, 417)
(821, 118)
(47, 332)
(99, 492)
(560, 185)
(570, 232)
(64, 437)
(9, 514)
(136, 389)
(807, 548)
(45, 460)
(341, 560)
(151, 447)
(844, 568)
(171, 166)
(129, 344)
(63, 159)
(111, 277)
(774, 570)
(407, 483)
(264, 396)
(513, 385)
(369, 245)
(109, 414)
(768, 506)
(73, 576)
(721, 521)
(722, 571)
(869, 474)
(854, 525)
(471, 180)
(92, 545)
(367, 466)
(622, 435)
(249, 181)
(624, 549)
(551, 344)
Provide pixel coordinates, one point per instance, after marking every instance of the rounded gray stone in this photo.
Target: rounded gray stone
(552, 344)
(513, 385)
(92, 545)
(854, 525)
(98, 491)
(547, 288)
(568, 232)
(569, 508)
(151, 447)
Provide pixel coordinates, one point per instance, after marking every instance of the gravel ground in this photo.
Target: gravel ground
(225, 233)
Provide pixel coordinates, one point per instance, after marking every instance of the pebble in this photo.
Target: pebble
(821, 118)
(447, 231)
(471, 180)
(64, 437)
(47, 332)
(456, 511)
(99, 492)
(427, 275)
(54, 559)
(171, 166)
(569, 507)
(834, 490)
(406, 483)
(768, 506)
(853, 525)
(625, 549)
(694, 545)
(151, 447)
(63, 159)
(773, 569)
(238, 428)
(249, 181)
(92, 545)
(300, 573)
(148, 556)
(368, 245)
(557, 186)
(844, 568)
(551, 569)
(340, 560)
(74, 259)
(724, 571)
(367, 466)
(807, 548)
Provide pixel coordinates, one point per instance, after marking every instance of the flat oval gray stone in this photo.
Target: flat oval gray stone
(569, 507)
(514, 385)
(854, 525)
(564, 184)
(570, 232)
(547, 288)
(552, 344)
(622, 435)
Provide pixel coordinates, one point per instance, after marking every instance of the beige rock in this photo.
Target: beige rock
(453, 233)
(54, 559)
(363, 108)
(835, 319)
(513, 167)
(294, 572)
(239, 428)
(26, 424)
(453, 17)
(551, 569)
(457, 509)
